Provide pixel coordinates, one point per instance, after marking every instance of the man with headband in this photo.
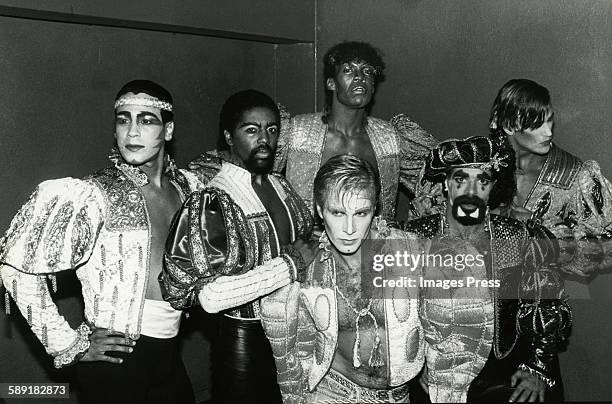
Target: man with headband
(472, 328)
(111, 228)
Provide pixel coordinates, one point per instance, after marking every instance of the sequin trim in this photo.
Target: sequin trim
(80, 345)
(56, 235)
(35, 235)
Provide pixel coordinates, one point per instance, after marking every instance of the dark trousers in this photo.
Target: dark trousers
(243, 368)
(152, 373)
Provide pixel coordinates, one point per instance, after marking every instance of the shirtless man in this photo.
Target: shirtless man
(352, 71)
(396, 148)
(111, 228)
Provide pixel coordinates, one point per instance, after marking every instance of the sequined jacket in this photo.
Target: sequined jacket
(98, 226)
(522, 305)
(223, 250)
(400, 147)
(572, 198)
(301, 322)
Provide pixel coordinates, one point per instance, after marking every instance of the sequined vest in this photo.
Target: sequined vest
(236, 182)
(507, 248)
(305, 150)
(115, 277)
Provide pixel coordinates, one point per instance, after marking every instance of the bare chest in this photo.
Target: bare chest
(161, 205)
(359, 146)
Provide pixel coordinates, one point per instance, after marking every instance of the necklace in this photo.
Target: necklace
(375, 359)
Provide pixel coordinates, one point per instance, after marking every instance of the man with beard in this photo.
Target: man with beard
(471, 331)
(110, 228)
(352, 71)
(231, 244)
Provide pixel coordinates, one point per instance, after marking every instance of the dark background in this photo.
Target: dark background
(62, 61)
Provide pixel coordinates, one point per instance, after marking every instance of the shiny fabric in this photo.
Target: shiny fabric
(301, 322)
(572, 199)
(225, 231)
(514, 261)
(99, 227)
(399, 145)
(243, 366)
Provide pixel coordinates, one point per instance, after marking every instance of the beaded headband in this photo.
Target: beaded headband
(143, 101)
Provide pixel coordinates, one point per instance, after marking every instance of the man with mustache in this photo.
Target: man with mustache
(396, 148)
(109, 227)
(235, 242)
(471, 331)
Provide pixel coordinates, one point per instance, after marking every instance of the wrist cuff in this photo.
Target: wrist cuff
(80, 345)
(547, 380)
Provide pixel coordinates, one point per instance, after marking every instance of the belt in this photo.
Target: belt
(371, 395)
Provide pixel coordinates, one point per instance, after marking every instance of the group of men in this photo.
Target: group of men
(148, 240)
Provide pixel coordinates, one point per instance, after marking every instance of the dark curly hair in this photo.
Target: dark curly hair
(350, 51)
(236, 105)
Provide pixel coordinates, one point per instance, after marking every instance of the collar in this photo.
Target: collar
(134, 173)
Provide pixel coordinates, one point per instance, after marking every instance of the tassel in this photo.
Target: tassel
(96, 306)
(120, 264)
(356, 358)
(7, 303)
(103, 255)
(140, 256)
(45, 340)
(29, 311)
(101, 276)
(115, 296)
(53, 283)
(375, 360)
(120, 246)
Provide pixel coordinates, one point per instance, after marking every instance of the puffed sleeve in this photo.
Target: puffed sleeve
(282, 145)
(210, 255)
(593, 201)
(291, 332)
(55, 230)
(585, 223)
(414, 144)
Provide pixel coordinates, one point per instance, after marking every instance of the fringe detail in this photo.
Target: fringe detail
(45, 337)
(356, 358)
(7, 303)
(376, 360)
(29, 315)
(53, 283)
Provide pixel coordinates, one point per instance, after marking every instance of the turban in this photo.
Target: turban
(473, 152)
